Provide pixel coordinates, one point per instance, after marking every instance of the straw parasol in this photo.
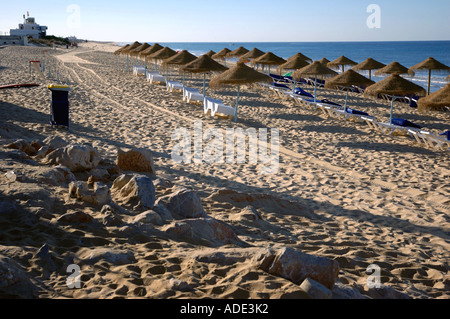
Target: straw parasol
(394, 68)
(117, 52)
(237, 53)
(341, 61)
(238, 75)
(369, 64)
(252, 54)
(299, 55)
(293, 64)
(162, 54)
(430, 64)
(136, 51)
(181, 58)
(268, 59)
(126, 51)
(210, 53)
(221, 55)
(150, 50)
(436, 100)
(324, 61)
(315, 69)
(203, 64)
(396, 86)
(348, 79)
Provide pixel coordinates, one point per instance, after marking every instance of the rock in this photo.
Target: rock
(24, 146)
(14, 281)
(43, 258)
(163, 212)
(183, 203)
(163, 183)
(110, 216)
(386, 292)
(77, 158)
(137, 160)
(75, 217)
(341, 291)
(54, 142)
(100, 173)
(296, 266)
(315, 290)
(134, 191)
(56, 175)
(248, 214)
(203, 231)
(98, 195)
(113, 256)
(148, 217)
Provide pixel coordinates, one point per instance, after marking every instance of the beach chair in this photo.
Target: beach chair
(138, 70)
(350, 115)
(396, 127)
(431, 140)
(155, 77)
(174, 86)
(192, 95)
(217, 108)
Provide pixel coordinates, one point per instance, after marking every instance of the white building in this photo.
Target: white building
(29, 28)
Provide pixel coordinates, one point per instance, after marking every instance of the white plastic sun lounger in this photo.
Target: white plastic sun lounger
(174, 86)
(387, 128)
(430, 140)
(137, 70)
(340, 114)
(216, 107)
(155, 77)
(190, 94)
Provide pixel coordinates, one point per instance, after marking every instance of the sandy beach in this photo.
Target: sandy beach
(342, 192)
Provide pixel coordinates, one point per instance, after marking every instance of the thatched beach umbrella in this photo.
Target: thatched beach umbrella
(126, 51)
(324, 61)
(221, 55)
(251, 55)
(238, 75)
(436, 100)
(181, 58)
(162, 54)
(237, 53)
(203, 64)
(347, 80)
(150, 50)
(117, 52)
(394, 68)
(341, 61)
(315, 70)
(300, 56)
(369, 64)
(430, 64)
(268, 59)
(396, 86)
(293, 64)
(135, 52)
(210, 53)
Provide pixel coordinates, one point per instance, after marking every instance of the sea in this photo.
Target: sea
(407, 53)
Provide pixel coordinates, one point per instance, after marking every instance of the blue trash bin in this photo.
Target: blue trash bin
(60, 105)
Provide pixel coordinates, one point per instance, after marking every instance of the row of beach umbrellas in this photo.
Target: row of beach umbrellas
(302, 67)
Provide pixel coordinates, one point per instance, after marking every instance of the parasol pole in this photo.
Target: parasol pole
(204, 83)
(315, 88)
(237, 101)
(392, 109)
(429, 81)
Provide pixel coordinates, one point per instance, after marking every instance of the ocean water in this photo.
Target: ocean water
(408, 53)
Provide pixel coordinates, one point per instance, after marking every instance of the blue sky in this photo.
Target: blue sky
(234, 20)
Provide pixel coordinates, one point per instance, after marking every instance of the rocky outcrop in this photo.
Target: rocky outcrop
(134, 159)
(77, 158)
(134, 191)
(183, 203)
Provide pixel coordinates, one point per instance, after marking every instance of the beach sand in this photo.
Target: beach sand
(342, 192)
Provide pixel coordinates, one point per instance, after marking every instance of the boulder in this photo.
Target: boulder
(296, 266)
(134, 159)
(110, 217)
(24, 146)
(54, 142)
(134, 190)
(77, 158)
(15, 282)
(99, 194)
(56, 175)
(163, 212)
(183, 203)
(148, 217)
(75, 217)
(203, 231)
(315, 290)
